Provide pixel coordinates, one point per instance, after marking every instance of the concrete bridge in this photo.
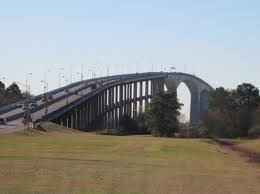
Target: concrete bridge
(105, 105)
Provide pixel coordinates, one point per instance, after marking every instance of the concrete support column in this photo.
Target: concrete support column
(84, 117)
(88, 114)
(154, 87)
(116, 107)
(128, 100)
(110, 108)
(113, 107)
(135, 101)
(141, 97)
(146, 93)
(161, 85)
(125, 99)
(65, 121)
(95, 112)
(105, 108)
(61, 122)
(121, 103)
(80, 118)
(74, 120)
(195, 108)
(71, 120)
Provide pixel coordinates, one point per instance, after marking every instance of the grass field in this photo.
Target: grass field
(73, 162)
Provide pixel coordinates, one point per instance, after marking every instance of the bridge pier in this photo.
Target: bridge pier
(195, 108)
(135, 101)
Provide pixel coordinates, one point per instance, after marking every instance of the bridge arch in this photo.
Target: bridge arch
(199, 90)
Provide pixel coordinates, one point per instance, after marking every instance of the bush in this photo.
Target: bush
(254, 132)
(128, 126)
(142, 128)
(217, 125)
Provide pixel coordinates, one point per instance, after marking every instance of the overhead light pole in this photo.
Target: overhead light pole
(67, 89)
(45, 80)
(60, 75)
(81, 85)
(45, 95)
(27, 87)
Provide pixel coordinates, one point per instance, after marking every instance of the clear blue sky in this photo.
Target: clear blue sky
(219, 40)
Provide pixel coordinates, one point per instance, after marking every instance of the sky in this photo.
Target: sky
(217, 40)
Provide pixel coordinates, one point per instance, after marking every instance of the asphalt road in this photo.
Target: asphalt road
(17, 125)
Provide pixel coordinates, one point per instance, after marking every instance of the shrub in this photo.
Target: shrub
(254, 132)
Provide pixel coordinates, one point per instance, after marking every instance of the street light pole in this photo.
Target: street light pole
(28, 108)
(81, 85)
(45, 95)
(59, 75)
(67, 89)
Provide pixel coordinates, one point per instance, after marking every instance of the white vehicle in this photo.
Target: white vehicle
(19, 105)
(33, 104)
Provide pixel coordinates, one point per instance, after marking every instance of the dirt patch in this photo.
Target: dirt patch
(246, 154)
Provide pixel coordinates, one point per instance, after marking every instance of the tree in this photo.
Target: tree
(13, 93)
(231, 111)
(14, 90)
(2, 93)
(162, 115)
(247, 96)
(2, 87)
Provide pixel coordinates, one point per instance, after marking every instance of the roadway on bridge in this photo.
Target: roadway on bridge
(39, 102)
(17, 125)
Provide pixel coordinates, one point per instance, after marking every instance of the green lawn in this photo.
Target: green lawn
(71, 162)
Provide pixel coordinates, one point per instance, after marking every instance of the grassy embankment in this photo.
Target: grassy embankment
(73, 162)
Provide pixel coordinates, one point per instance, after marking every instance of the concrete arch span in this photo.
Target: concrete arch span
(199, 89)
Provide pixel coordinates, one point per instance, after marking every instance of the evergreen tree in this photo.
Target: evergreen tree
(162, 115)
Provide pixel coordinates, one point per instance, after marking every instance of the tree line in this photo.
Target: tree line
(232, 113)
(10, 95)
